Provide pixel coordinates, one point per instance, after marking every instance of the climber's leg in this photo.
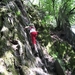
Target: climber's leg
(35, 46)
(33, 39)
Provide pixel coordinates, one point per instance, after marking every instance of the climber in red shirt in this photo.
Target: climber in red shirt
(33, 34)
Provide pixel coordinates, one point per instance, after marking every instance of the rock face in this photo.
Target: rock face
(16, 53)
(58, 68)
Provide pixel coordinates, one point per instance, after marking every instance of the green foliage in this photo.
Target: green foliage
(62, 10)
(64, 52)
(18, 13)
(44, 35)
(46, 5)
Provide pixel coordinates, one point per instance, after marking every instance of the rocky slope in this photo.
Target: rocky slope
(16, 53)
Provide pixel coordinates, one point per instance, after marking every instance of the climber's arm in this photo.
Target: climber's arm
(26, 27)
